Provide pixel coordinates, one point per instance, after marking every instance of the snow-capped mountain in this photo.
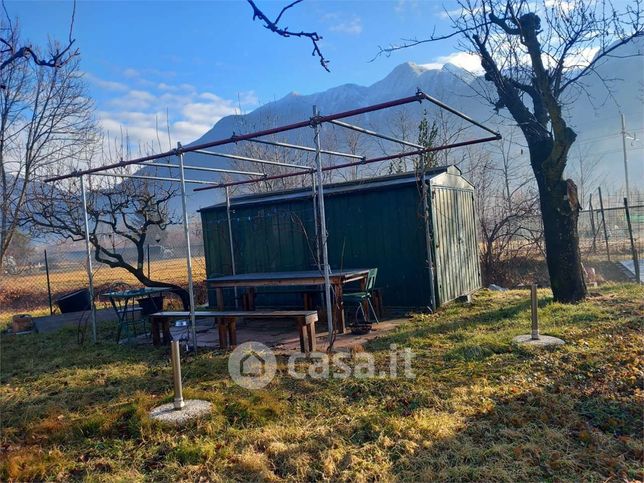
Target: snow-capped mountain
(593, 113)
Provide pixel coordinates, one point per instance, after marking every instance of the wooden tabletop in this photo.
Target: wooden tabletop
(306, 277)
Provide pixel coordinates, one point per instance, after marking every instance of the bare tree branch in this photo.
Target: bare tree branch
(56, 58)
(272, 25)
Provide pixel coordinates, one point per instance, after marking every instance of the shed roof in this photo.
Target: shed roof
(334, 188)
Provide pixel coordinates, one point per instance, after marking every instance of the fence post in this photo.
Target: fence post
(534, 312)
(636, 263)
(601, 207)
(148, 260)
(51, 309)
(593, 248)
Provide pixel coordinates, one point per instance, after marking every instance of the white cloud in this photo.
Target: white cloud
(141, 113)
(131, 73)
(403, 6)
(464, 60)
(104, 84)
(562, 5)
(351, 26)
(458, 12)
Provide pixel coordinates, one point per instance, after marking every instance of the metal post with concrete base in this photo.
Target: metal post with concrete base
(534, 338)
(176, 375)
(179, 411)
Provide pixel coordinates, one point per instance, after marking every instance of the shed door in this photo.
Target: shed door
(455, 245)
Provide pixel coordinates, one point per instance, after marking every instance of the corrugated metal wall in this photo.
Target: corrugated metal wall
(455, 245)
(380, 227)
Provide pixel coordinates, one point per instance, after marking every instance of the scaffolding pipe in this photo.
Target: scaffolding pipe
(467, 118)
(231, 244)
(90, 276)
(202, 168)
(428, 238)
(155, 178)
(254, 160)
(418, 97)
(323, 230)
(366, 161)
(186, 232)
(315, 221)
(376, 134)
(306, 148)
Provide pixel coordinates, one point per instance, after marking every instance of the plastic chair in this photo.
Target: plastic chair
(362, 296)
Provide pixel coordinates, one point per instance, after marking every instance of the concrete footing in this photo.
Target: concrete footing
(192, 409)
(542, 341)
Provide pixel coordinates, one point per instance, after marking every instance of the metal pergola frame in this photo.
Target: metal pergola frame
(316, 173)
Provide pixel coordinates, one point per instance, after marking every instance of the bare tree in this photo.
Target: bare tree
(45, 116)
(13, 50)
(533, 55)
(583, 166)
(507, 212)
(122, 213)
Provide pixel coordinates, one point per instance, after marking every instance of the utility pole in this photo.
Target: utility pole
(626, 136)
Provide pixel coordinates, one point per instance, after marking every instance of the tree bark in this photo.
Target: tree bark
(560, 213)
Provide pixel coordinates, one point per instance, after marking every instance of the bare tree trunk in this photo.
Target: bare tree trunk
(560, 213)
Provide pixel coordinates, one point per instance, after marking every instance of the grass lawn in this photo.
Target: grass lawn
(478, 409)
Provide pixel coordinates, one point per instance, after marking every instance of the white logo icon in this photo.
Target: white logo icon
(252, 365)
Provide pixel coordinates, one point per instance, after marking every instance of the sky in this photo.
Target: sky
(195, 62)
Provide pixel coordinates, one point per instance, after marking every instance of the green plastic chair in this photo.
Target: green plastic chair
(359, 297)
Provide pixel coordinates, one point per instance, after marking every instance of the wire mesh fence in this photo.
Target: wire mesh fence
(35, 282)
(612, 235)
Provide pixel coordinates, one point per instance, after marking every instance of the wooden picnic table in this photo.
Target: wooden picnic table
(250, 281)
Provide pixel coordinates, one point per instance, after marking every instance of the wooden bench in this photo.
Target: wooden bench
(227, 324)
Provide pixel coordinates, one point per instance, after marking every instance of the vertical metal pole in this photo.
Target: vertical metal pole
(315, 221)
(186, 233)
(51, 309)
(176, 374)
(428, 240)
(323, 230)
(148, 260)
(636, 263)
(232, 246)
(601, 207)
(533, 306)
(625, 156)
(90, 276)
(593, 248)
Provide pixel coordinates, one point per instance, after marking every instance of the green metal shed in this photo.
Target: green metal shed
(379, 222)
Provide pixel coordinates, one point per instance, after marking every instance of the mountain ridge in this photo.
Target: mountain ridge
(455, 87)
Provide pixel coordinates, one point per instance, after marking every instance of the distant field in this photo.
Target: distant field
(27, 293)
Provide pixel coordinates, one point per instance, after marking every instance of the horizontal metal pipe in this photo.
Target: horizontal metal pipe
(366, 161)
(374, 133)
(202, 168)
(152, 178)
(245, 137)
(306, 148)
(254, 160)
(442, 105)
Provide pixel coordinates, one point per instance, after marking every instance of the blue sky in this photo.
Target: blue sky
(203, 60)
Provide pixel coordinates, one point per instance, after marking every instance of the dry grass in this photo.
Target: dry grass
(479, 409)
(28, 292)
